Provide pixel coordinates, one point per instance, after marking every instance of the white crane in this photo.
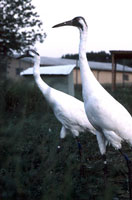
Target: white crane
(68, 110)
(108, 116)
(111, 120)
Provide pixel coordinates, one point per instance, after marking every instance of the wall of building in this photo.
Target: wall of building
(105, 77)
(71, 84)
(15, 66)
(59, 82)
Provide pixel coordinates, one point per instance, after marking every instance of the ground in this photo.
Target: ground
(31, 166)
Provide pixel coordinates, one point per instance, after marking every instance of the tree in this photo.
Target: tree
(101, 56)
(20, 26)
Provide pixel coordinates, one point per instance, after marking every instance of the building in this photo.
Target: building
(116, 56)
(14, 66)
(102, 71)
(59, 77)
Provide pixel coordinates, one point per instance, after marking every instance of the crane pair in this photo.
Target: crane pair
(105, 117)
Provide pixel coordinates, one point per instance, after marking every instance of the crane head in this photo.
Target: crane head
(29, 53)
(78, 22)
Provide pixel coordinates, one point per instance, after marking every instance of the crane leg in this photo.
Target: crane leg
(58, 149)
(105, 169)
(60, 144)
(79, 147)
(129, 166)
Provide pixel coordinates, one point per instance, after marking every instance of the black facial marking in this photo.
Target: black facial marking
(76, 22)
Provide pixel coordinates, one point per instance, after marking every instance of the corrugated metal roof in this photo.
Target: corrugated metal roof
(49, 61)
(108, 66)
(54, 70)
(56, 61)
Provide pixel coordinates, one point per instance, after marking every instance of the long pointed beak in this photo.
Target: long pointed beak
(67, 23)
(23, 56)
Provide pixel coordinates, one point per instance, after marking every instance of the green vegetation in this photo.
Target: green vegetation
(100, 56)
(20, 26)
(31, 167)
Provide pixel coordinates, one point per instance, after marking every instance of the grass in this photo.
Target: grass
(32, 168)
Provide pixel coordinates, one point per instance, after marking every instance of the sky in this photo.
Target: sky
(109, 25)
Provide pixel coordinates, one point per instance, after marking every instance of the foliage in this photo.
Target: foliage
(101, 56)
(20, 25)
(31, 166)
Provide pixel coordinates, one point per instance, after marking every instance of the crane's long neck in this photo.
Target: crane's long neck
(44, 88)
(89, 82)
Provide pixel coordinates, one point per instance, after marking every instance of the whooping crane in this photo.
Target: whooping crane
(68, 110)
(108, 116)
(111, 120)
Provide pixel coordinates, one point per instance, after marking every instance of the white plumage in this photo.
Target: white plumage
(111, 120)
(67, 109)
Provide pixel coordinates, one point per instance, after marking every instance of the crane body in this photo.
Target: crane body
(68, 110)
(106, 114)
